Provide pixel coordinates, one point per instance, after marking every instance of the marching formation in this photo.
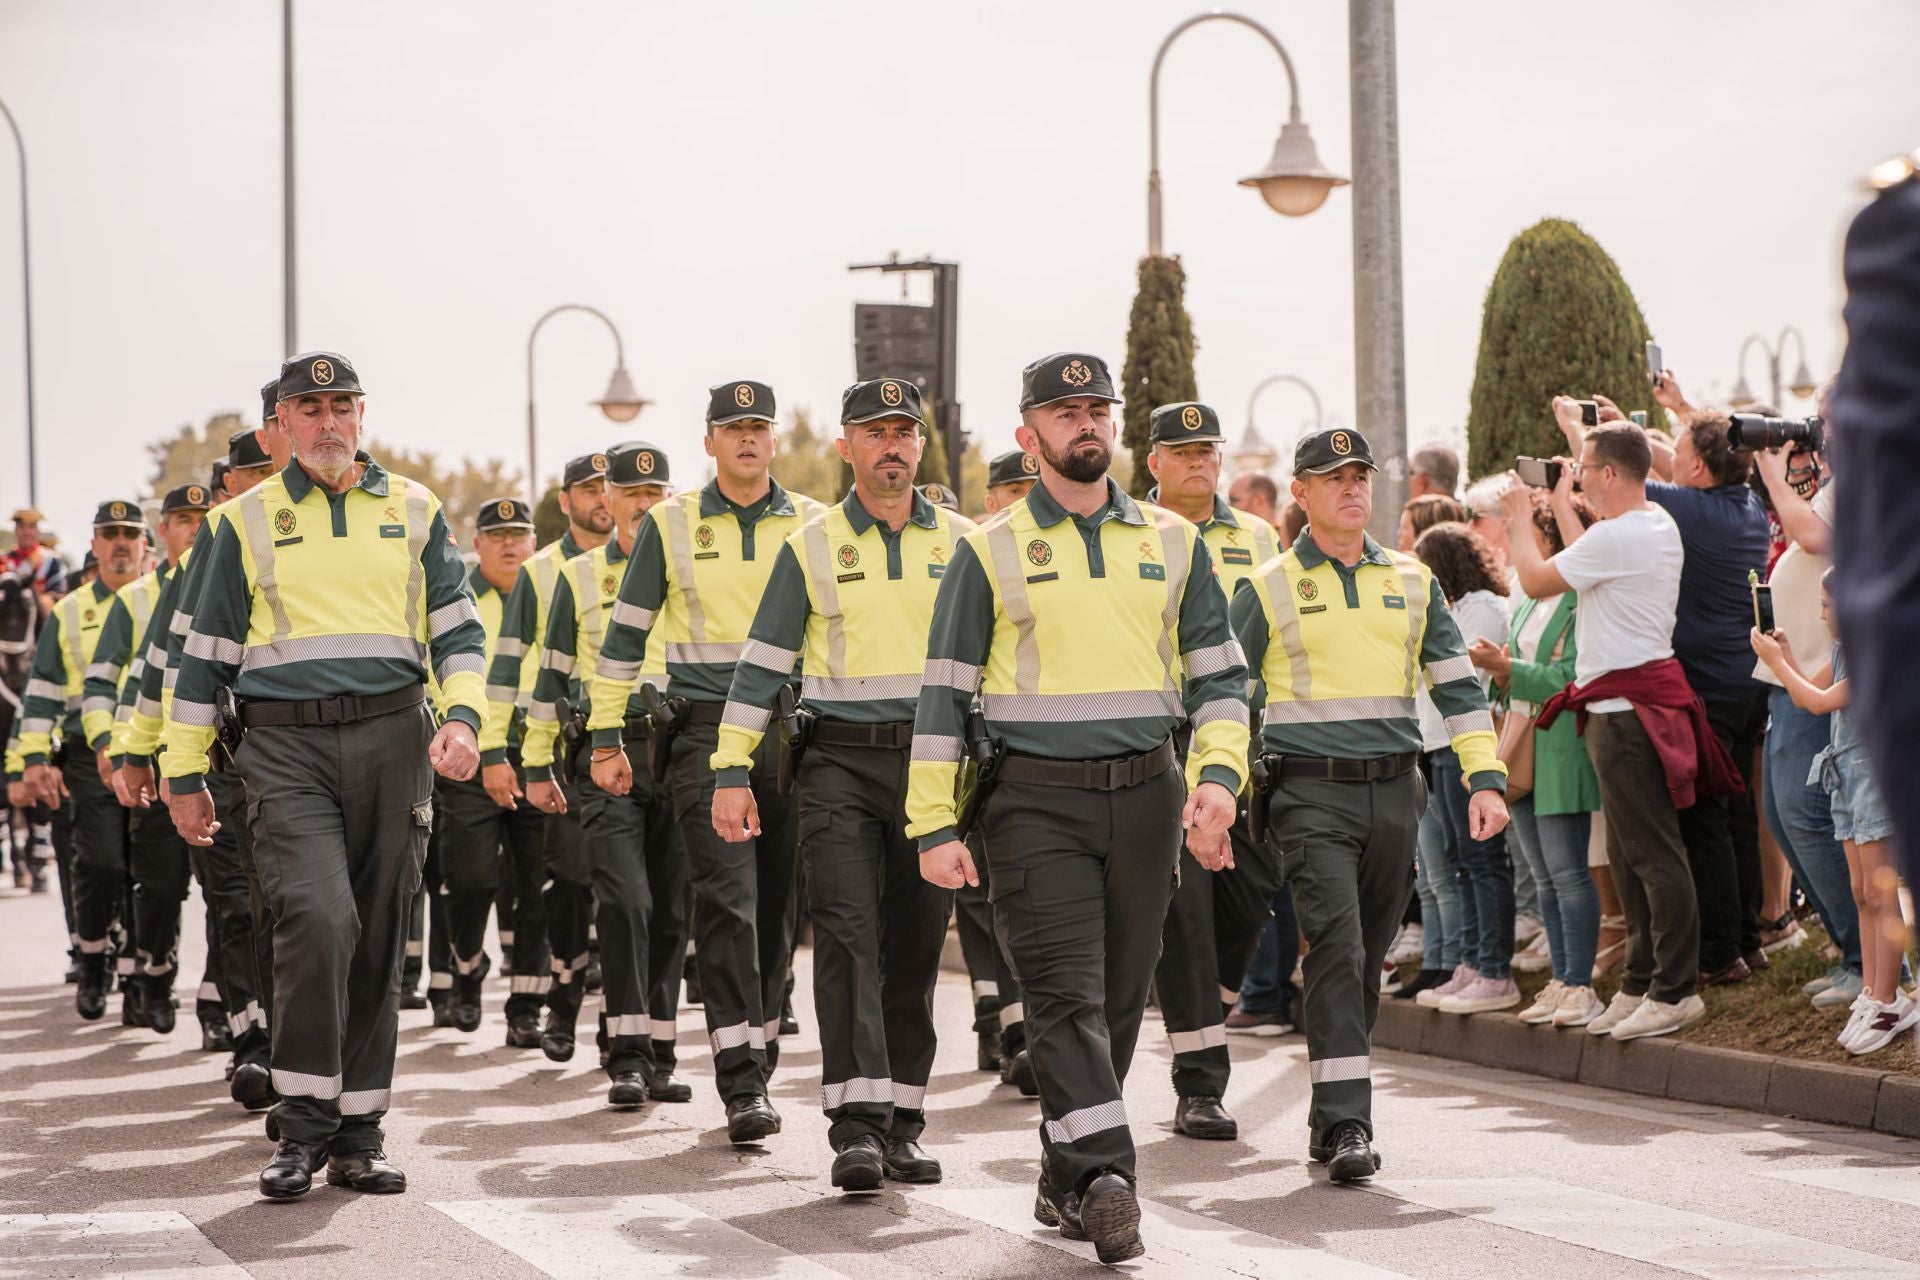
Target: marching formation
(1103, 733)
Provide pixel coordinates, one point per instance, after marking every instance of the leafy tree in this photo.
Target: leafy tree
(1159, 367)
(187, 456)
(805, 461)
(1559, 320)
(549, 521)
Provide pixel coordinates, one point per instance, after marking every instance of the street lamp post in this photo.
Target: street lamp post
(1254, 453)
(621, 403)
(26, 303)
(1802, 385)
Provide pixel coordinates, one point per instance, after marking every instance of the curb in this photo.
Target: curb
(1886, 1102)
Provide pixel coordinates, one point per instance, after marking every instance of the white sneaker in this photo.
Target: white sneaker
(1884, 1024)
(1544, 1005)
(1658, 1018)
(1579, 1006)
(1614, 1014)
(1536, 958)
(1389, 977)
(1863, 1007)
(1525, 929)
(1432, 996)
(1482, 995)
(1409, 946)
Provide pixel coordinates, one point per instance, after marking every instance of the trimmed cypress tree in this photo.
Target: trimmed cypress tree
(1559, 320)
(1159, 367)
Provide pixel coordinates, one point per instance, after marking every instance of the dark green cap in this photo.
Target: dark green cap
(504, 513)
(582, 469)
(119, 513)
(1330, 450)
(634, 463)
(1012, 467)
(879, 398)
(186, 497)
(243, 450)
(738, 401)
(318, 373)
(940, 496)
(216, 481)
(1068, 375)
(269, 401)
(1183, 423)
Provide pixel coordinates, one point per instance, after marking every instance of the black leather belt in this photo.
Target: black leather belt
(1324, 769)
(896, 735)
(345, 708)
(1113, 774)
(705, 712)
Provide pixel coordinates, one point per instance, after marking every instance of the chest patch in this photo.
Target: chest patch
(1394, 602)
(1307, 589)
(393, 531)
(703, 536)
(1039, 552)
(283, 521)
(1157, 572)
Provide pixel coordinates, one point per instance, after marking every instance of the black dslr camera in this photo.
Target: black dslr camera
(1750, 431)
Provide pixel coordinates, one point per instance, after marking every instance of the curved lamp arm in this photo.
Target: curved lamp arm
(619, 359)
(1302, 383)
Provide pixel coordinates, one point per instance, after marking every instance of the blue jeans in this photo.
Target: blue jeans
(1447, 923)
(1268, 986)
(1802, 821)
(1555, 848)
(1486, 873)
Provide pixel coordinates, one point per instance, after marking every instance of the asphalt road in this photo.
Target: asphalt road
(120, 1154)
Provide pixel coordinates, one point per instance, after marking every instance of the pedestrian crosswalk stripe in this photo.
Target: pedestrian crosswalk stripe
(1900, 1184)
(1645, 1232)
(1180, 1245)
(572, 1238)
(101, 1244)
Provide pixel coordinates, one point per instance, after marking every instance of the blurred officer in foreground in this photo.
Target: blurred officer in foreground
(328, 595)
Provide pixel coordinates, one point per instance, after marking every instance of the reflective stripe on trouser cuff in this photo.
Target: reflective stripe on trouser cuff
(208, 992)
(247, 1019)
(416, 949)
(835, 1096)
(1211, 1037)
(665, 1029)
(93, 948)
(528, 985)
(295, 1085)
(1084, 1123)
(909, 1097)
(627, 1024)
(1012, 1013)
(364, 1102)
(1335, 710)
(563, 971)
(984, 990)
(466, 968)
(440, 981)
(1330, 1070)
(737, 1035)
(770, 1032)
(1228, 995)
(124, 964)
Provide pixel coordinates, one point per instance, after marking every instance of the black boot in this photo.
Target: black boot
(664, 1086)
(367, 1171)
(158, 1003)
(1110, 1215)
(1202, 1116)
(90, 997)
(215, 1035)
(1018, 1072)
(441, 998)
(907, 1162)
(523, 1031)
(1348, 1155)
(1058, 1209)
(556, 1038)
(750, 1117)
(464, 1004)
(133, 1002)
(291, 1171)
(860, 1165)
(988, 1056)
(692, 983)
(629, 1089)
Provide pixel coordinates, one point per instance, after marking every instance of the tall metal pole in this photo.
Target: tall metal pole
(619, 361)
(1379, 345)
(26, 303)
(946, 403)
(291, 286)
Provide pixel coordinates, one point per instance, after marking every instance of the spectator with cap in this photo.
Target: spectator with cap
(33, 558)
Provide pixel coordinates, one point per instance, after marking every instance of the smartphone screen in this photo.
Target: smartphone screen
(1537, 473)
(1589, 413)
(1763, 607)
(1654, 364)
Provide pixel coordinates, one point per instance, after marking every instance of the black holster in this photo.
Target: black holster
(794, 723)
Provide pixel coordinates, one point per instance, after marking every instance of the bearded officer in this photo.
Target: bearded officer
(850, 598)
(1340, 630)
(1084, 830)
(329, 594)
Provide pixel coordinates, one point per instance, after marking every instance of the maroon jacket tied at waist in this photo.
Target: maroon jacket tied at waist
(1675, 720)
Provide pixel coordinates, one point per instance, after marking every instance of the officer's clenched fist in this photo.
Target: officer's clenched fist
(949, 865)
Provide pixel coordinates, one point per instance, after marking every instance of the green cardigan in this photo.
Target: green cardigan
(1563, 780)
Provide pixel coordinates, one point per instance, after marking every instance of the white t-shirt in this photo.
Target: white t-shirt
(1627, 571)
(1527, 644)
(1480, 615)
(1796, 596)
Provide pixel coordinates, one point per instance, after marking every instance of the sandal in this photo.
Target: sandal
(1612, 954)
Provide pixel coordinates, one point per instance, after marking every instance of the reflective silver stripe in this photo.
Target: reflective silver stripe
(983, 990)
(73, 633)
(826, 589)
(415, 947)
(97, 703)
(735, 1036)
(663, 1029)
(214, 648)
(156, 655)
(1329, 1070)
(1012, 1013)
(616, 670)
(467, 966)
(509, 647)
(1214, 659)
(1416, 591)
(680, 547)
(103, 671)
(1263, 542)
(951, 673)
(858, 688)
(742, 715)
(1079, 708)
(864, 1089)
(457, 663)
(627, 1024)
(909, 1097)
(770, 1032)
(506, 938)
(1286, 628)
(35, 724)
(92, 948)
(1470, 722)
(1211, 1037)
(327, 648)
(1229, 995)
(197, 715)
(769, 657)
(936, 748)
(1332, 710)
(523, 984)
(253, 522)
(365, 1102)
(546, 568)
(46, 691)
(503, 693)
(1087, 1121)
(298, 1085)
(1004, 560)
(440, 982)
(554, 660)
(240, 1023)
(590, 619)
(169, 677)
(180, 623)
(1173, 545)
(631, 615)
(145, 706)
(715, 653)
(545, 711)
(450, 615)
(417, 496)
(1449, 669)
(1231, 710)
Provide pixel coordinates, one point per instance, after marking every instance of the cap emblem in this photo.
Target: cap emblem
(1030, 464)
(743, 395)
(195, 495)
(119, 510)
(1076, 374)
(322, 372)
(890, 393)
(505, 509)
(1190, 418)
(598, 462)
(1342, 443)
(644, 463)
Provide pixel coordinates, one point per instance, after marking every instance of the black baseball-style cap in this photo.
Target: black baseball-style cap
(318, 373)
(1330, 450)
(1016, 466)
(504, 513)
(269, 401)
(582, 469)
(1068, 375)
(940, 496)
(244, 450)
(879, 398)
(217, 480)
(738, 402)
(1184, 423)
(115, 513)
(186, 497)
(635, 463)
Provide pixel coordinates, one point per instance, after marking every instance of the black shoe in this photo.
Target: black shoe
(692, 994)
(367, 1171)
(789, 1025)
(664, 1086)
(1202, 1116)
(1018, 1072)
(1110, 1215)
(590, 977)
(906, 1162)
(273, 1127)
(159, 1004)
(73, 971)
(750, 1117)
(215, 1035)
(629, 1089)
(233, 1065)
(410, 998)
(1058, 1209)
(291, 1171)
(133, 1003)
(988, 1058)
(1421, 981)
(90, 997)
(859, 1166)
(556, 1038)
(1347, 1154)
(252, 1086)
(523, 1031)
(37, 882)
(463, 1005)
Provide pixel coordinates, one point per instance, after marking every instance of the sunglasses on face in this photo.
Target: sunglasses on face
(120, 533)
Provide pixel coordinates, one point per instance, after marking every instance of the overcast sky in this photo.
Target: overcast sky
(705, 172)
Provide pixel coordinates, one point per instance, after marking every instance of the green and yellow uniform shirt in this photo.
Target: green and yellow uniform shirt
(166, 634)
(1341, 652)
(700, 565)
(312, 594)
(1086, 637)
(54, 685)
(116, 659)
(1240, 542)
(582, 601)
(849, 600)
(513, 661)
(491, 604)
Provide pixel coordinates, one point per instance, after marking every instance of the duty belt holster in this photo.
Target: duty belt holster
(227, 730)
(666, 717)
(1263, 773)
(795, 725)
(979, 773)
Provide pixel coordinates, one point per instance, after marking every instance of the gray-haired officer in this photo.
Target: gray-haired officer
(1340, 631)
(328, 595)
(1084, 829)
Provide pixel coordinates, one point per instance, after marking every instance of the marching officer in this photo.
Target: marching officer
(477, 831)
(700, 565)
(1009, 478)
(632, 841)
(1084, 829)
(328, 595)
(54, 749)
(1214, 923)
(1340, 631)
(850, 597)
